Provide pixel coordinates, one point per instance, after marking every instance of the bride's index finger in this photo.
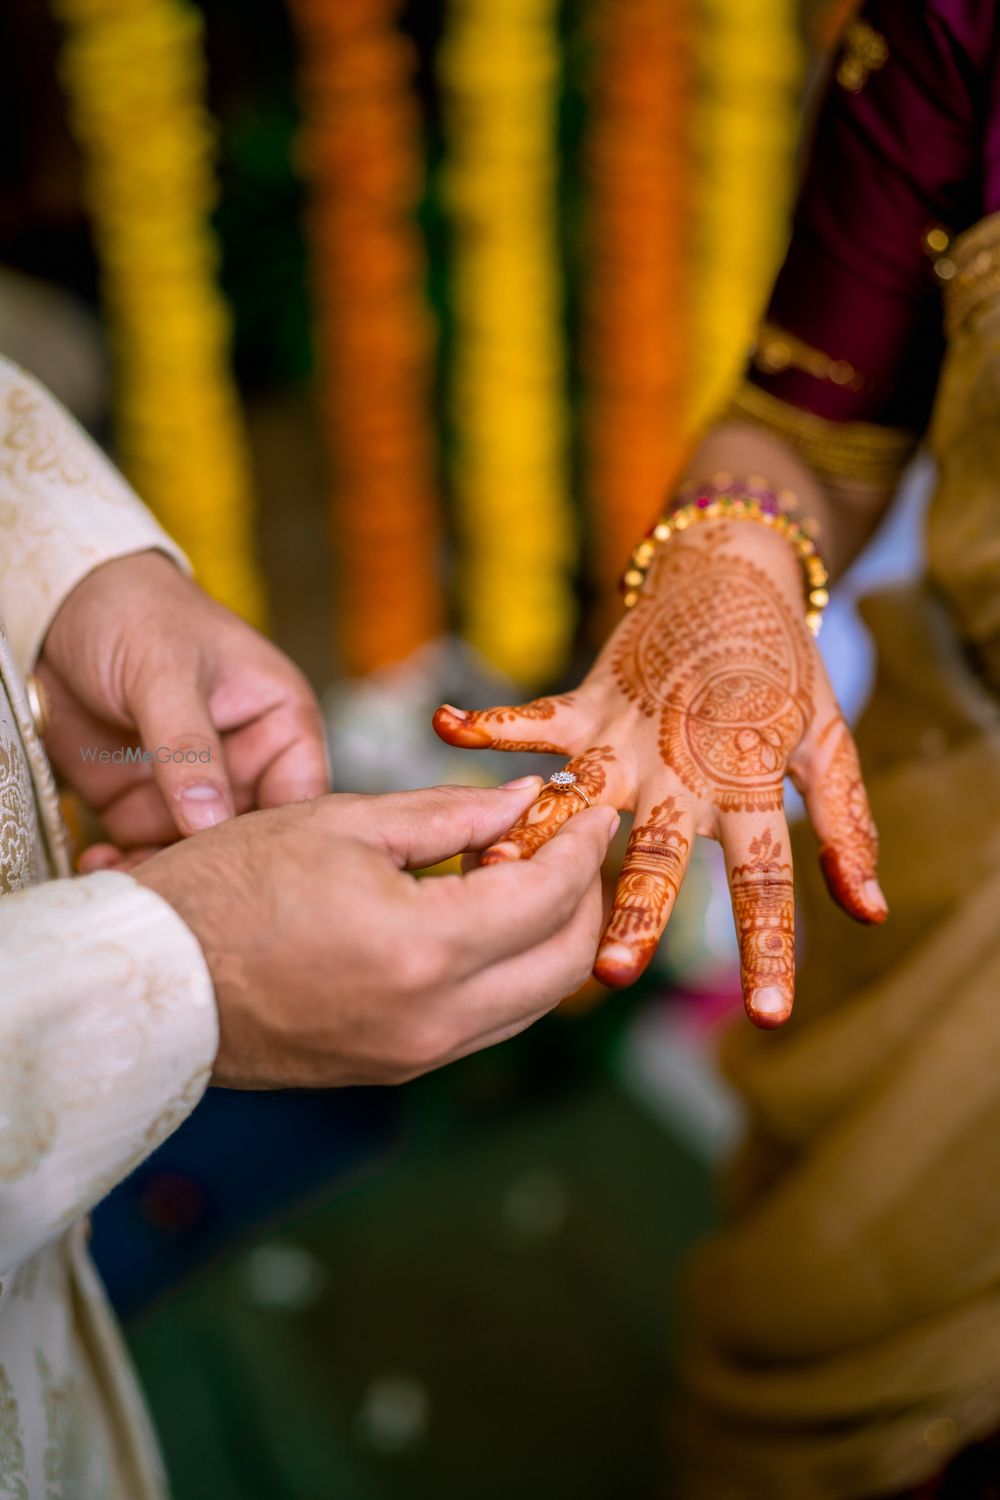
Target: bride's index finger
(759, 865)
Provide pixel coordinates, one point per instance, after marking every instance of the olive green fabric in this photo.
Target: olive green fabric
(845, 1329)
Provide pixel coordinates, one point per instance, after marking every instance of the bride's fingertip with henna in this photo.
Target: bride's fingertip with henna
(769, 1007)
(616, 965)
(874, 899)
(501, 854)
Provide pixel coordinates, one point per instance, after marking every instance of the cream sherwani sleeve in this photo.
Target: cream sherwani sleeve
(107, 1016)
(63, 511)
(107, 1035)
(108, 1024)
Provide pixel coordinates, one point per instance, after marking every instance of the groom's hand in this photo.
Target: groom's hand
(138, 658)
(333, 965)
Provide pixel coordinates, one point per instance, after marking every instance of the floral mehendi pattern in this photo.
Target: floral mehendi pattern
(849, 854)
(650, 878)
(554, 807)
(763, 906)
(730, 715)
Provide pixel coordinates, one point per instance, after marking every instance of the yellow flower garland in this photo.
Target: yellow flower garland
(134, 73)
(362, 155)
(746, 126)
(500, 65)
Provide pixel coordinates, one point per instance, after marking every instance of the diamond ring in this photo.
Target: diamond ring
(565, 781)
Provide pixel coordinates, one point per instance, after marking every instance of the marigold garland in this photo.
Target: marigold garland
(636, 342)
(361, 151)
(134, 74)
(746, 127)
(500, 64)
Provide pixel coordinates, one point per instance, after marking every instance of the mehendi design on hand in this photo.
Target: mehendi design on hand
(726, 662)
(553, 807)
(540, 708)
(528, 747)
(647, 887)
(764, 909)
(849, 853)
(474, 730)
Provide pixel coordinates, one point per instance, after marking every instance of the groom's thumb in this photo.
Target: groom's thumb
(422, 828)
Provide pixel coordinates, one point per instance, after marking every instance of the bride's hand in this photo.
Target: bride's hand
(707, 694)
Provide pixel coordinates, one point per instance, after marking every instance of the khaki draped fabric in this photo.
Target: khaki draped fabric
(845, 1329)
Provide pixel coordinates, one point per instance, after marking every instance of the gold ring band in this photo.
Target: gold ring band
(566, 781)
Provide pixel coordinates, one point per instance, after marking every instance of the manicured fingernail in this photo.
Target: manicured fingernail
(520, 783)
(769, 1005)
(613, 827)
(459, 713)
(873, 898)
(501, 854)
(203, 806)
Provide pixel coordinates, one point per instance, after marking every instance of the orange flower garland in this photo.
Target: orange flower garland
(361, 151)
(635, 334)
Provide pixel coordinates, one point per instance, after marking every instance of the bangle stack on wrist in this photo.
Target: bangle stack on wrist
(726, 498)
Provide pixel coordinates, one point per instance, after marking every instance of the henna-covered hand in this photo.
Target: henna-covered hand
(707, 695)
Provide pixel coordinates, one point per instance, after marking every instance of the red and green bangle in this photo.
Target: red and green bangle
(738, 500)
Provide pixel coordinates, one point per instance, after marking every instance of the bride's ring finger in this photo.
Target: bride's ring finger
(586, 781)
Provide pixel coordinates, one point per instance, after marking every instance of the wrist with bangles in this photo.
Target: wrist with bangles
(726, 498)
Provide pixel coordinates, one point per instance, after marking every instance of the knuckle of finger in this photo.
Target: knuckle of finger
(420, 966)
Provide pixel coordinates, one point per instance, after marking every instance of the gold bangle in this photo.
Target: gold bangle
(737, 500)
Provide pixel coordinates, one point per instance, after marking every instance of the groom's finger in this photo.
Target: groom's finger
(422, 828)
(172, 716)
(281, 756)
(498, 911)
(510, 995)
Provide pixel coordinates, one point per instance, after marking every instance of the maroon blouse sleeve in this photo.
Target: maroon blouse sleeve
(902, 155)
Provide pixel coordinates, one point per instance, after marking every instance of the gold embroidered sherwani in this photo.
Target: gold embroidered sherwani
(108, 1025)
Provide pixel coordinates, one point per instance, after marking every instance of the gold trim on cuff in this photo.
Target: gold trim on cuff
(859, 452)
(776, 350)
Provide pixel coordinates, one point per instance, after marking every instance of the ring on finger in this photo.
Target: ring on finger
(566, 781)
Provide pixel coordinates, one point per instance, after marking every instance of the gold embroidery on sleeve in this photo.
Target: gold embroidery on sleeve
(13, 1482)
(838, 452)
(16, 819)
(55, 1399)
